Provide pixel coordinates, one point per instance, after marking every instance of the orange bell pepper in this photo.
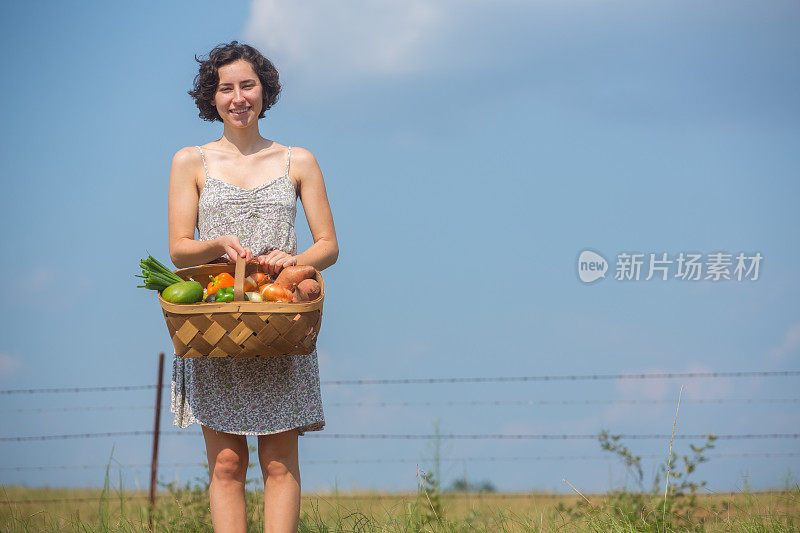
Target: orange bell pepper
(218, 282)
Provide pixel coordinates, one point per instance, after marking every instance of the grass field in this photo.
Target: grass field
(689, 506)
(185, 510)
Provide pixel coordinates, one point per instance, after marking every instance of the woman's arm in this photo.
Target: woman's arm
(325, 250)
(184, 250)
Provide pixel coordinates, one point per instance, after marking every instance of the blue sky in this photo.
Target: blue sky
(471, 152)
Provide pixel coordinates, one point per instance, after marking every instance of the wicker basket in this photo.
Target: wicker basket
(241, 328)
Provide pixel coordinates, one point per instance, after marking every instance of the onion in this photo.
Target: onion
(273, 292)
(254, 296)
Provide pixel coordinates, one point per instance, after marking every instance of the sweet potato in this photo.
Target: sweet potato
(307, 291)
(289, 277)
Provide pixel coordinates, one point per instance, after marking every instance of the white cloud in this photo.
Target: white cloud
(789, 346)
(8, 365)
(351, 38)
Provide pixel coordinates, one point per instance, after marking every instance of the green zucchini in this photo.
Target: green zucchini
(183, 292)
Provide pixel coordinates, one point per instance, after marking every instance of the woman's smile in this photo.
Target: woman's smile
(239, 92)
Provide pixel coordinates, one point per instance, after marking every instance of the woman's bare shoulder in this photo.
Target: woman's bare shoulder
(187, 154)
(188, 157)
(304, 167)
(187, 163)
(304, 159)
(301, 153)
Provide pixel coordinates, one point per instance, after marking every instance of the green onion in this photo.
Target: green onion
(156, 276)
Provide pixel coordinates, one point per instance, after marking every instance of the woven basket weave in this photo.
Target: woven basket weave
(241, 328)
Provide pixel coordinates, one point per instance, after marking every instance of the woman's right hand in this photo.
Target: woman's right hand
(233, 248)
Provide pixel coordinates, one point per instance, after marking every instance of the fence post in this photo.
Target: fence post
(157, 424)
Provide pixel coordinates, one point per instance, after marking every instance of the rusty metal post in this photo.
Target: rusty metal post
(156, 427)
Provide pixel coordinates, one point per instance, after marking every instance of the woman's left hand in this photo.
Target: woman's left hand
(273, 262)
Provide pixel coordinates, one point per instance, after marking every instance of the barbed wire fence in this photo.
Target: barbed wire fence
(158, 408)
(430, 381)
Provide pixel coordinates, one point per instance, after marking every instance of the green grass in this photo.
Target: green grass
(688, 506)
(186, 510)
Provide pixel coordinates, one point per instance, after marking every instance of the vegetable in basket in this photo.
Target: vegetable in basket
(173, 289)
(185, 292)
(307, 290)
(253, 297)
(272, 292)
(225, 294)
(293, 284)
(156, 276)
(290, 276)
(218, 282)
(254, 281)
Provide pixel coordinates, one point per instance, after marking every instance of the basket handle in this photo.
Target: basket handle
(238, 279)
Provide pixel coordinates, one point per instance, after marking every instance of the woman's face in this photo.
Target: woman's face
(239, 96)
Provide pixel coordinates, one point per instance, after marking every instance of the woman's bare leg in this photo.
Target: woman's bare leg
(277, 455)
(227, 466)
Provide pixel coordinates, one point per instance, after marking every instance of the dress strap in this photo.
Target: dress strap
(204, 159)
(288, 159)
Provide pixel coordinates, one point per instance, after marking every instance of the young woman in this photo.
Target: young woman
(240, 193)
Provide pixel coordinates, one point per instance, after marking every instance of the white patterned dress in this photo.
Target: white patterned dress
(256, 396)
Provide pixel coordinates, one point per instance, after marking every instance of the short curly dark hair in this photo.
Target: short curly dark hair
(207, 79)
